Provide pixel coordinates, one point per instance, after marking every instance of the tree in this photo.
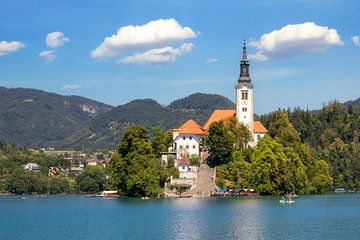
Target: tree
(135, 169)
(320, 179)
(235, 174)
(161, 140)
(19, 182)
(195, 160)
(282, 130)
(242, 135)
(91, 180)
(269, 162)
(220, 143)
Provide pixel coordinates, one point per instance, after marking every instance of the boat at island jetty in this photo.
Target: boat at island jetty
(235, 193)
(185, 196)
(110, 194)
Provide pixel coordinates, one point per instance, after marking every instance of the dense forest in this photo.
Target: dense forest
(33, 118)
(304, 151)
(332, 134)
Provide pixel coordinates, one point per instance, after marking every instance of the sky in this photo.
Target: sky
(302, 53)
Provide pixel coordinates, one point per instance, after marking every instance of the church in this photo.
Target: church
(188, 138)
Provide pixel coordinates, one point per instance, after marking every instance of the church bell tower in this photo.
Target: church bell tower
(245, 94)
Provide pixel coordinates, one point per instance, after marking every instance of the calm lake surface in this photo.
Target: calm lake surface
(333, 216)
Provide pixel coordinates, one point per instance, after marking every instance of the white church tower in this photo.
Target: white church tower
(245, 95)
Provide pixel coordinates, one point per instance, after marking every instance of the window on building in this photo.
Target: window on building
(183, 138)
(244, 109)
(244, 95)
(187, 146)
(181, 146)
(194, 146)
(190, 138)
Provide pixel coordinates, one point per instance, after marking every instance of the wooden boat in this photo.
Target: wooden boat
(185, 196)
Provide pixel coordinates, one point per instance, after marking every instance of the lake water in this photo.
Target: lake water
(333, 216)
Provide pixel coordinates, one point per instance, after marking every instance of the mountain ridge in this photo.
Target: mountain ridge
(33, 118)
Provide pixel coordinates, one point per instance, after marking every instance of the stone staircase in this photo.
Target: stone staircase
(205, 182)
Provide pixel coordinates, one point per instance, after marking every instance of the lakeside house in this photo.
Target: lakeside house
(32, 167)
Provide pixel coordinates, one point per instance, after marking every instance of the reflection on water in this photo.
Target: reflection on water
(334, 216)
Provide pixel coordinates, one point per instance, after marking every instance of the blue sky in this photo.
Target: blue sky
(308, 52)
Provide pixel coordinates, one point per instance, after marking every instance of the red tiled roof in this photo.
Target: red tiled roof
(259, 128)
(190, 127)
(218, 115)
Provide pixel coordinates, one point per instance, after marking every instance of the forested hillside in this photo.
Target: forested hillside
(34, 118)
(105, 130)
(333, 133)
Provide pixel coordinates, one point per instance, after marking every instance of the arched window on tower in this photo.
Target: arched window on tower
(244, 95)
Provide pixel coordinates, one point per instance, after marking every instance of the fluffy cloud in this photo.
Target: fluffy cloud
(356, 40)
(49, 55)
(70, 86)
(134, 38)
(56, 39)
(212, 60)
(294, 39)
(9, 47)
(158, 56)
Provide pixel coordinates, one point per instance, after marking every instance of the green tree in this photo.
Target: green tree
(195, 160)
(220, 143)
(135, 169)
(242, 135)
(19, 182)
(91, 180)
(269, 162)
(161, 140)
(320, 179)
(282, 130)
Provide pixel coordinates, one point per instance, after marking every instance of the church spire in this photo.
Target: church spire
(244, 67)
(244, 56)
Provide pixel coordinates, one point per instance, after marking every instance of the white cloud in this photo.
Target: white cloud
(49, 55)
(56, 39)
(10, 47)
(153, 34)
(356, 40)
(70, 86)
(294, 39)
(212, 60)
(158, 56)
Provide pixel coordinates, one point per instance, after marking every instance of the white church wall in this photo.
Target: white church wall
(257, 137)
(245, 107)
(187, 144)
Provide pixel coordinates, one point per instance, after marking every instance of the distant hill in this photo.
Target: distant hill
(354, 103)
(34, 118)
(104, 131)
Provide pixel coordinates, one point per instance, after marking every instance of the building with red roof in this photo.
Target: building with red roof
(188, 138)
